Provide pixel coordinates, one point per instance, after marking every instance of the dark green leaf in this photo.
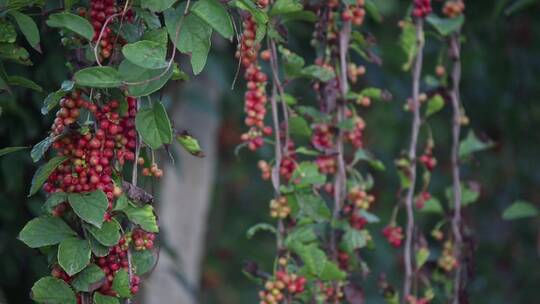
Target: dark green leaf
(154, 126)
(24, 82)
(141, 81)
(121, 284)
(363, 155)
(103, 299)
(446, 26)
(157, 5)
(7, 32)
(308, 175)
(433, 205)
(43, 173)
(54, 98)
(73, 255)
(45, 231)
(519, 210)
(286, 6)
(98, 77)
(8, 150)
(314, 207)
(14, 53)
(190, 34)
(143, 261)
(89, 279)
(215, 15)
(90, 206)
(354, 239)
(28, 27)
(49, 290)
(146, 54)
(72, 22)
(96, 247)
(373, 10)
(108, 234)
(299, 126)
(519, 5)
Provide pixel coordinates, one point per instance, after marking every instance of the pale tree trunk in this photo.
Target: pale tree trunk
(184, 197)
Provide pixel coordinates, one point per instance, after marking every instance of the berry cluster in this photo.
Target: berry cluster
(453, 8)
(288, 163)
(323, 137)
(332, 294)
(447, 261)
(100, 10)
(113, 262)
(279, 208)
(327, 164)
(421, 8)
(142, 240)
(90, 154)
(284, 282)
(354, 71)
(263, 3)
(153, 170)
(343, 260)
(354, 13)
(266, 169)
(414, 300)
(255, 98)
(360, 198)
(421, 199)
(427, 159)
(394, 235)
(355, 136)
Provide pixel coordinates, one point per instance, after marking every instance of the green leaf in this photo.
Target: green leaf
(43, 173)
(49, 290)
(318, 264)
(468, 195)
(72, 22)
(40, 148)
(98, 77)
(193, 37)
(157, 5)
(143, 261)
(308, 175)
(73, 255)
(158, 35)
(103, 299)
(446, 26)
(96, 247)
(90, 206)
(407, 42)
(54, 200)
(45, 231)
(354, 239)
(422, 255)
(314, 207)
(14, 53)
(519, 210)
(89, 279)
(433, 205)
(300, 235)
(143, 216)
(146, 54)
(121, 283)
(141, 81)
(373, 10)
(7, 32)
(260, 226)
(285, 6)
(54, 98)
(318, 72)
(299, 16)
(370, 217)
(28, 27)
(258, 14)
(108, 234)
(434, 105)
(472, 144)
(299, 126)
(8, 150)
(190, 144)
(121, 203)
(214, 14)
(24, 83)
(154, 126)
(363, 155)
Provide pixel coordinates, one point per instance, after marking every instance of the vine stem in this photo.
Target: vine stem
(281, 90)
(415, 129)
(455, 50)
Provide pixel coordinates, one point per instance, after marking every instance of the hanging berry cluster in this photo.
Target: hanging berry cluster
(255, 98)
(421, 8)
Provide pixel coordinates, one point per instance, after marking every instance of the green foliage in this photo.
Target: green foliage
(90, 207)
(121, 283)
(142, 216)
(43, 173)
(89, 279)
(98, 77)
(45, 231)
(73, 255)
(49, 290)
(154, 126)
(519, 210)
(73, 23)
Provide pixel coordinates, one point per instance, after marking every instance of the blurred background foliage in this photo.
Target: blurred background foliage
(502, 98)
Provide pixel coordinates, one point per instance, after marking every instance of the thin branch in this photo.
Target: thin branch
(455, 50)
(279, 85)
(103, 28)
(278, 155)
(415, 107)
